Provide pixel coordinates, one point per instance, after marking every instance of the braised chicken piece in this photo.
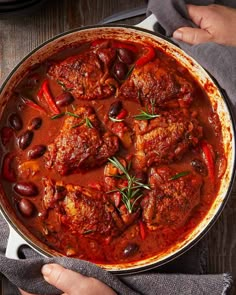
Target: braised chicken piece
(172, 199)
(81, 143)
(154, 83)
(165, 138)
(86, 75)
(84, 211)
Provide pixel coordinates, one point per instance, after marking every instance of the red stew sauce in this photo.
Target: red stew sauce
(111, 152)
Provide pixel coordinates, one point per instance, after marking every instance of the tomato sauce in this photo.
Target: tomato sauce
(127, 69)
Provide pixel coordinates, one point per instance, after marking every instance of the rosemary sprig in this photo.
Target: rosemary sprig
(57, 116)
(134, 189)
(88, 123)
(178, 175)
(145, 116)
(64, 86)
(73, 115)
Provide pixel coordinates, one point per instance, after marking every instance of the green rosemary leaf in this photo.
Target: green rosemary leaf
(72, 115)
(57, 116)
(133, 190)
(88, 123)
(89, 231)
(145, 116)
(178, 175)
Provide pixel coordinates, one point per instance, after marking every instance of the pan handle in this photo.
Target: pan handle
(148, 23)
(15, 241)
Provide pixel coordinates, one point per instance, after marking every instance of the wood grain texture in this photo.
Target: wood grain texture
(19, 35)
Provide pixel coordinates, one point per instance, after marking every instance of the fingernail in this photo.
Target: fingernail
(46, 270)
(178, 35)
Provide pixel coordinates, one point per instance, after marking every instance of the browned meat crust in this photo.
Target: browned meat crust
(80, 144)
(171, 201)
(165, 138)
(86, 75)
(84, 211)
(155, 83)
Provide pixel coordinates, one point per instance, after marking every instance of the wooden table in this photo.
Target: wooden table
(19, 35)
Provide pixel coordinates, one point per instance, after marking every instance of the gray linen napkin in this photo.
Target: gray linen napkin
(183, 276)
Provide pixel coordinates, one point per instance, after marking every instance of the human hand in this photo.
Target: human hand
(72, 283)
(215, 23)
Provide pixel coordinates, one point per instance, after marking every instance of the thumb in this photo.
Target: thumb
(192, 35)
(62, 278)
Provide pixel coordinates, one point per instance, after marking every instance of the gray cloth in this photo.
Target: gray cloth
(186, 274)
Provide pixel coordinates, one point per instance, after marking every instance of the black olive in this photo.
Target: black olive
(120, 70)
(115, 108)
(130, 250)
(199, 167)
(15, 121)
(64, 99)
(26, 207)
(126, 56)
(26, 189)
(35, 123)
(37, 151)
(25, 139)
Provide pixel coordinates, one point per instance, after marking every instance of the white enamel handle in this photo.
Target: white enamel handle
(148, 23)
(15, 241)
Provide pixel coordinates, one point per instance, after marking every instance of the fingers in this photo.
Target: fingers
(73, 283)
(61, 278)
(192, 35)
(196, 13)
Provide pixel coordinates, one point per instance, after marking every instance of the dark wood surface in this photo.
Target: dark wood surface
(20, 34)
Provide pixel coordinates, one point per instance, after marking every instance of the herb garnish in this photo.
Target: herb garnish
(178, 175)
(57, 116)
(132, 192)
(146, 115)
(73, 115)
(64, 86)
(88, 123)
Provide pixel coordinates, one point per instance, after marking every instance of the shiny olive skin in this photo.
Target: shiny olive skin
(115, 108)
(15, 121)
(126, 56)
(25, 139)
(130, 250)
(35, 123)
(37, 151)
(26, 189)
(26, 207)
(64, 99)
(199, 167)
(120, 70)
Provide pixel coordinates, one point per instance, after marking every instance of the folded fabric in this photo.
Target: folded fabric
(185, 275)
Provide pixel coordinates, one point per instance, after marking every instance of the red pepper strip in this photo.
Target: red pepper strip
(33, 105)
(142, 230)
(6, 135)
(130, 47)
(48, 97)
(208, 157)
(123, 113)
(7, 172)
(148, 56)
(97, 42)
